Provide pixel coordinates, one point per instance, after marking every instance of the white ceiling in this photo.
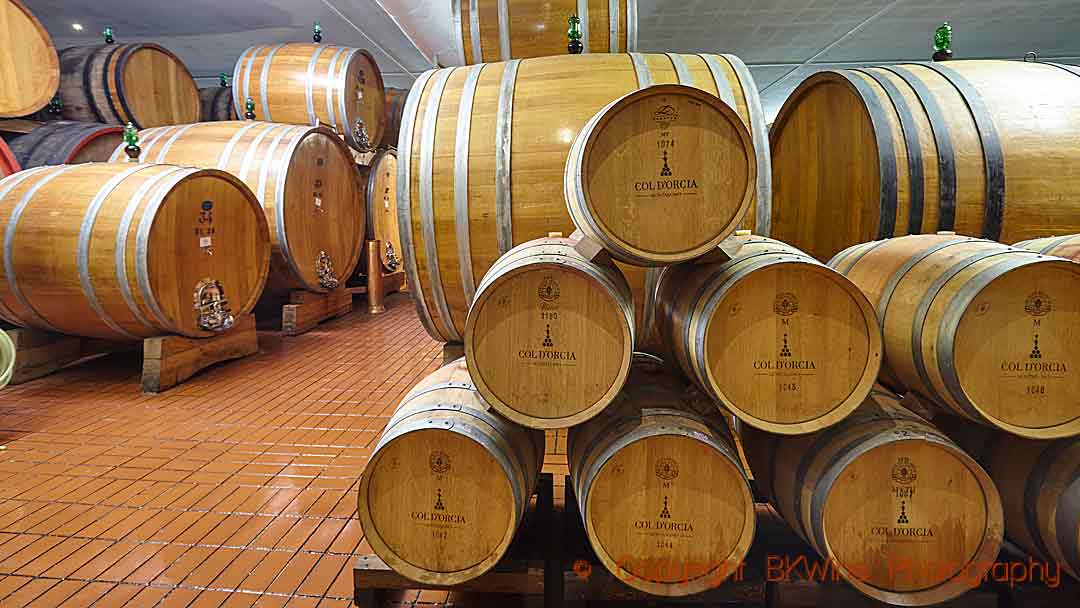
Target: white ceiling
(782, 40)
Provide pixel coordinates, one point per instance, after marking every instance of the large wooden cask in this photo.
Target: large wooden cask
(497, 30)
(550, 334)
(66, 142)
(141, 83)
(1039, 482)
(915, 148)
(8, 163)
(395, 108)
(665, 501)
(448, 482)
(312, 84)
(1067, 246)
(483, 151)
(125, 251)
(896, 508)
(379, 180)
(29, 67)
(777, 338)
(216, 103)
(661, 175)
(987, 331)
(303, 176)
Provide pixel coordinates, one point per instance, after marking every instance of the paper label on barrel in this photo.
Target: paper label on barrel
(205, 241)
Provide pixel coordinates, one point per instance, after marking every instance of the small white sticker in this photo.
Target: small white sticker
(204, 241)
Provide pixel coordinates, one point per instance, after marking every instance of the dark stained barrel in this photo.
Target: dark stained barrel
(67, 142)
(216, 103)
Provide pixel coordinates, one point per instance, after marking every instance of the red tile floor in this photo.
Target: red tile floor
(236, 488)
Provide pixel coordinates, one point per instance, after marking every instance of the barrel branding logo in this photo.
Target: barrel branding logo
(665, 116)
(548, 292)
(1038, 304)
(667, 469)
(785, 304)
(664, 524)
(439, 462)
(904, 471)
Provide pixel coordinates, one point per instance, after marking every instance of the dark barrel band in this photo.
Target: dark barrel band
(886, 155)
(945, 152)
(107, 91)
(912, 144)
(993, 155)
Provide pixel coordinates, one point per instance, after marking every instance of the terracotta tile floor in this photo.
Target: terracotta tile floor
(233, 489)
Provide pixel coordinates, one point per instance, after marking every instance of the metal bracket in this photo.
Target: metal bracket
(212, 307)
(324, 269)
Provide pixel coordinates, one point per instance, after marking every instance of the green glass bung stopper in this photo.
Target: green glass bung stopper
(249, 107)
(943, 42)
(131, 138)
(223, 79)
(574, 34)
(108, 34)
(317, 32)
(56, 105)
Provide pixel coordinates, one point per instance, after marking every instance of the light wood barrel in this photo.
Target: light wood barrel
(894, 506)
(126, 251)
(448, 483)
(380, 198)
(395, 107)
(310, 84)
(29, 67)
(66, 142)
(305, 178)
(550, 334)
(665, 502)
(483, 151)
(216, 103)
(777, 338)
(141, 83)
(987, 331)
(1067, 246)
(8, 163)
(661, 175)
(916, 148)
(499, 30)
(1039, 483)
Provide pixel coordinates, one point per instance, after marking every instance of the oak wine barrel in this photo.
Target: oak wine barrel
(395, 107)
(885, 151)
(66, 142)
(550, 334)
(312, 84)
(8, 163)
(380, 201)
(482, 156)
(665, 502)
(497, 30)
(126, 252)
(987, 331)
(1039, 482)
(303, 176)
(216, 103)
(896, 508)
(141, 83)
(661, 175)
(1067, 246)
(448, 482)
(777, 338)
(29, 67)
